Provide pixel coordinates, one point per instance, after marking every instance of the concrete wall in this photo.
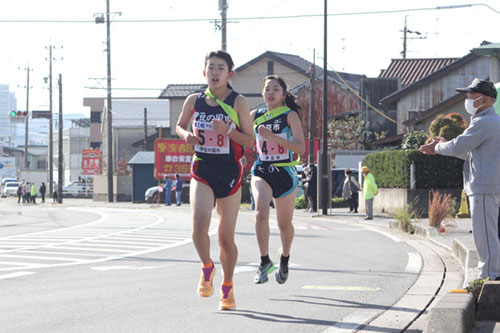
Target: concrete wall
(122, 188)
(389, 200)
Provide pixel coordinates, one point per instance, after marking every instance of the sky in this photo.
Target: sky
(147, 56)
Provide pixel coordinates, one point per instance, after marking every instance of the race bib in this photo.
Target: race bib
(270, 151)
(211, 142)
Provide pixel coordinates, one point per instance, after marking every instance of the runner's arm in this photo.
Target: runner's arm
(184, 119)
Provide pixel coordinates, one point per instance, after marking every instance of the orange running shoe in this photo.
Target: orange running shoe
(205, 287)
(227, 301)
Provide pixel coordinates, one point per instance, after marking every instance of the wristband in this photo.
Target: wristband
(231, 128)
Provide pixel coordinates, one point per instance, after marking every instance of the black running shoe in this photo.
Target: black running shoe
(263, 271)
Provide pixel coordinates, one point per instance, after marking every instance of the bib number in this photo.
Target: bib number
(211, 142)
(271, 151)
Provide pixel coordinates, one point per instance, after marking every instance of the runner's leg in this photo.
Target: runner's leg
(262, 195)
(227, 214)
(284, 214)
(202, 200)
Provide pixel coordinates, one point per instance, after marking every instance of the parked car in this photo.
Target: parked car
(10, 189)
(77, 189)
(338, 177)
(6, 180)
(152, 195)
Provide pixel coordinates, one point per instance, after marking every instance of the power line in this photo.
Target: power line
(260, 17)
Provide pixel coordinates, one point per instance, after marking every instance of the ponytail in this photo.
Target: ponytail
(289, 98)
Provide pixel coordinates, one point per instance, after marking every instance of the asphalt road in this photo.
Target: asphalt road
(115, 269)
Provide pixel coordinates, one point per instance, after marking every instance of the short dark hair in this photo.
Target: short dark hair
(222, 55)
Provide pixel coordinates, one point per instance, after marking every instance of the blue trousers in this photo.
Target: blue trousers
(168, 199)
(178, 197)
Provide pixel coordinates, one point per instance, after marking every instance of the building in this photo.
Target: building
(11, 130)
(420, 100)
(131, 123)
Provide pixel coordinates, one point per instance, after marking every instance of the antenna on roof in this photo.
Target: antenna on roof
(405, 32)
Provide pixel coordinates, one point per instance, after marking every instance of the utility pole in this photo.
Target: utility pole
(324, 161)
(405, 38)
(51, 124)
(311, 111)
(145, 129)
(223, 11)
(26, 127)
(60, 164)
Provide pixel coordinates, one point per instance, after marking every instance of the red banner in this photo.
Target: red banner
(172, 157)
(91, 162)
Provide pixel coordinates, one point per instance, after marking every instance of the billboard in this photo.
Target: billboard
(171, 157)
(8, 167)
(91, 162)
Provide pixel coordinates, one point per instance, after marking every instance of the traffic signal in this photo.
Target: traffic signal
(18, 114)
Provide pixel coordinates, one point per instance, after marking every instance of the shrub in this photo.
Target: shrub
(339, 203)
(439, 208)
(391, 169)
(413, 140)
(300, 202)
(475, 287)
(404, 216)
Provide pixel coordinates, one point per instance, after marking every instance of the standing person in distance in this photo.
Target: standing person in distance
(178, 189)
(168, 191)
(312, 188)
(43, 189)
(370, 190)
(221, 127)
(33, 193)
(350, 190)
(279, 134)
(20, 192)
(479, 146)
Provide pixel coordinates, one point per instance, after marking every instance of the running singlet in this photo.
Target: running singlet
(214, 146)
(217, 157)
(270, 151)
(282, 179)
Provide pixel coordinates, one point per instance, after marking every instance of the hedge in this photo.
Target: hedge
(391, 169)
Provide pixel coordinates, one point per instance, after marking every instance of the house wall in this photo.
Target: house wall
(175, 112)
(440, 89)
(340, 100)
(123, 140)
(249, 81)
(455, 108)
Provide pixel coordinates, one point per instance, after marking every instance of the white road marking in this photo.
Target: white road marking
(353, 322)
(110, 268)
(345, 288)
(252, 267)
(386, 234)
(99, 241)
(14, 275)
(414, 263)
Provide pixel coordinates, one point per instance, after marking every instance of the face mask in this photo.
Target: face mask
(469, 106)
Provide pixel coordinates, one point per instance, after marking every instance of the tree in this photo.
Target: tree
(350, 133)
(448, 127)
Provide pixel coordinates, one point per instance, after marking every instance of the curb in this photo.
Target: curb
(452, 313)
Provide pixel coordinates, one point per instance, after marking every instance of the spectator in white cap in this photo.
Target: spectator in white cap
(479, 146)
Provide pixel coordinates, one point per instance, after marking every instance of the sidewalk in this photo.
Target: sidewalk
(456, 239)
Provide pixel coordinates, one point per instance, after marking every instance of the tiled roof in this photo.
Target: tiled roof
(182, 90)
(411, 70)
(143, 157)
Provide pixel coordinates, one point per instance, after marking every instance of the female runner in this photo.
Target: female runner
(279, 134)
(221, 127)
